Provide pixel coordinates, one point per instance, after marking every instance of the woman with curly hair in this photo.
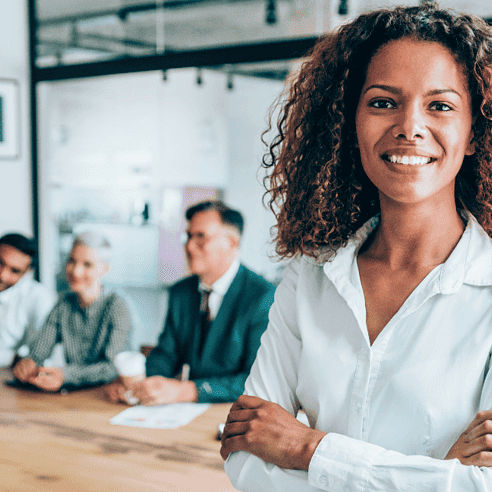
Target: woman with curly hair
(381, 330)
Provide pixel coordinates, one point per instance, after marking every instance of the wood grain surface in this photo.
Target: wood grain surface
(65, 443)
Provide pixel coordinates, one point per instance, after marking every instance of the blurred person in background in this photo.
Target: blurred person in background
(24, 302)
(91, 324)
(214, 321)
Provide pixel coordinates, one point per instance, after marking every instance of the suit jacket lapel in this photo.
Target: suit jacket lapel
(227, 310)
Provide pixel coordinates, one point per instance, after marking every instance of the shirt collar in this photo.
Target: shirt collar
(6, 295)
(221, 285)
(470, 262)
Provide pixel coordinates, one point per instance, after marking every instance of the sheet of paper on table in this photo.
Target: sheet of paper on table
(160, 416)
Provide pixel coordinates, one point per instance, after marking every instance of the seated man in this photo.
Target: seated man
(91, 324)
(24, 302)
(217, 340)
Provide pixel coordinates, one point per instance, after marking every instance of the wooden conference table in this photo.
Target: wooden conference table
(65, 443)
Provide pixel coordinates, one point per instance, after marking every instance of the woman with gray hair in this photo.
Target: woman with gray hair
(91, 324)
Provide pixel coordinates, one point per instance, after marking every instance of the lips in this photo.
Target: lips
(408, 160)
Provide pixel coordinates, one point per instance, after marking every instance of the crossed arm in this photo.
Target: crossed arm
(270, 432)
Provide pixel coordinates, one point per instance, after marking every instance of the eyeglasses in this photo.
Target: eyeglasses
(199, 238)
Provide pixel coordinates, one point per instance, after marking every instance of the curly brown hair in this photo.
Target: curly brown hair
(316, 185)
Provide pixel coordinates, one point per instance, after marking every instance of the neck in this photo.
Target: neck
(210, 278)
(415, 234)
(85, 299)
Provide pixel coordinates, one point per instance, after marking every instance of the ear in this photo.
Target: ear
(234, 240)
(105, 268)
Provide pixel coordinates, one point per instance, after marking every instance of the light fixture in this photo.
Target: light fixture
(343, 7)
(271, 12)
(230, 81)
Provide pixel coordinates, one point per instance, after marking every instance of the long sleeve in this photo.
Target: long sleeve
(41, 303)
(23, 311)
(276, 362)
(342, 463)
(91, 338)
(47, 337)
(112, 339)
(164, 358)
(229, 387)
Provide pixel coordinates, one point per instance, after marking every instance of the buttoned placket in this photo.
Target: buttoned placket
(369, 357)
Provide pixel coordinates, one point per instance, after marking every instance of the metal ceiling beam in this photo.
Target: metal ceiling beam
(123, 12)
(212, 57)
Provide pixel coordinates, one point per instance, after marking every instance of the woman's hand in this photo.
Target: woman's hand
(25, 369)
(115, 392)
(48, 378)
(270, 432)
(474, 446)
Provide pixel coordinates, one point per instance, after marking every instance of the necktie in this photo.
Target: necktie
(204, 316)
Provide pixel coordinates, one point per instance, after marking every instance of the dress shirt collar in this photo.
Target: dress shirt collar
(7, 295)
(470, 262)
(221, 285)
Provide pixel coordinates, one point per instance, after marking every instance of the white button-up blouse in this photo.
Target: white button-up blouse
(391, 410)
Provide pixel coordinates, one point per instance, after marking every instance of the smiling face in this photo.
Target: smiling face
(414, 121)
(211, 246)
(13, 265)
(84, 270)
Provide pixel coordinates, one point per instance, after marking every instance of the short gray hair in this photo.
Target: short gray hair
(94, 240)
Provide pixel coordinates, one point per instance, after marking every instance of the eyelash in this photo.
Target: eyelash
(374, 104)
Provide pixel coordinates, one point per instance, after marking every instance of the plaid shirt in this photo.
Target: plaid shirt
(91, 337)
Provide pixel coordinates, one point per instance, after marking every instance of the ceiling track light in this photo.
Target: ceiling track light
(199, 76)
(230, 82)
(74, 34)
(271, 12)
(343, 7)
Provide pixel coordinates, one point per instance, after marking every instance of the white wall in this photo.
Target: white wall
(140, 132)
(15, 198)
(248, 108)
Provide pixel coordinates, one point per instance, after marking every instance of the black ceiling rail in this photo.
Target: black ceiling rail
(211, 57)
(123, 12)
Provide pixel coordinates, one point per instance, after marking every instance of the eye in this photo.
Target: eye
(382, 104)
(440, 106)
(87, 264)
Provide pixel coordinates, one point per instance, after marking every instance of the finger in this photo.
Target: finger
(233, 444)
(149, 402)
(480, 417)
(484, 458)
(247, 401)
(479, 430)
(478, 445)
(241, 416)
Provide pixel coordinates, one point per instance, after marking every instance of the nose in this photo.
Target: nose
(74, 270)
(411, 124)
(4, 274)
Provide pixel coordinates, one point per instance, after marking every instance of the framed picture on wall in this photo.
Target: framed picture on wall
(9, 119)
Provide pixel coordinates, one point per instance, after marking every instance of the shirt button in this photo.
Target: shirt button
(323, 480)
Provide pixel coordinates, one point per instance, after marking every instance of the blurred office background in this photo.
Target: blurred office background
(131, 110)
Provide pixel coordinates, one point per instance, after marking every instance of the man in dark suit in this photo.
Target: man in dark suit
(215, 318)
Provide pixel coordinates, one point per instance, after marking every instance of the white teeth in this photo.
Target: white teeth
(412, 160)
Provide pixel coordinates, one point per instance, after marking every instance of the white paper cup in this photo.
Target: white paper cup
(131, 368)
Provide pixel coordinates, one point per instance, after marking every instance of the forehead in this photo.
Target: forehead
(206, 221)
(13, 257)
(432, 65)
(81, 252)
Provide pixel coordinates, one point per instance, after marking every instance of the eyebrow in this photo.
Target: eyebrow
(395, 90)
